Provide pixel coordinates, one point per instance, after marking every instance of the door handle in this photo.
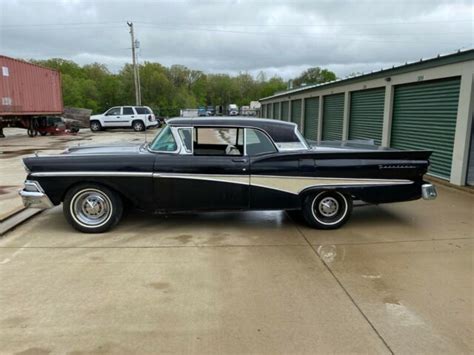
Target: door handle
(133, 116)
(239, 160)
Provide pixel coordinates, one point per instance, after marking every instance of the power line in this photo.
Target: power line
(75, 24)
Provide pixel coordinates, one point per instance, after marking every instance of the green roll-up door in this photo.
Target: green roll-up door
(296, 112)
(263, 112)
(311, 113)
(270, 110)
(366, 118)
(424, 117)
(333, 116)
(276, 111)
(284, 110)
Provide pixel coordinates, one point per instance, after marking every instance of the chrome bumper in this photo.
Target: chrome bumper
(428, 192)
(33, 195)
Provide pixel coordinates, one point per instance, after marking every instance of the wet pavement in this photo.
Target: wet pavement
(396, 279)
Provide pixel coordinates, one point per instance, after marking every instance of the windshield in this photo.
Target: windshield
(164, 141)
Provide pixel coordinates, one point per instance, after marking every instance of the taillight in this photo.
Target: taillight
(150, 118)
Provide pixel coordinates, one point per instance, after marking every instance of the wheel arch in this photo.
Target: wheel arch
(126, 199)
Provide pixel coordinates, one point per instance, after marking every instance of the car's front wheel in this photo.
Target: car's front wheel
(138, 126)
(92, 208)
(327, 209)
(95, 126)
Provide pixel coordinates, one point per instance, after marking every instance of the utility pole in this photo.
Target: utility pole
(135, 69)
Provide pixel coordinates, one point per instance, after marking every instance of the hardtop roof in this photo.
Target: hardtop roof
(228, 122)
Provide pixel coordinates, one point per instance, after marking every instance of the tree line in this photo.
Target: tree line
(167, 89)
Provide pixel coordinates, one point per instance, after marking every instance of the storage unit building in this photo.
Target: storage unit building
(427, 104)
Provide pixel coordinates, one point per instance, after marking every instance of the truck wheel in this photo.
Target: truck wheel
(327, 209)
(95, 126)
(92, 208)
(138, 126)
(32, 132)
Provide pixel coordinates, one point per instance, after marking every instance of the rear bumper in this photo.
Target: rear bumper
(428, 192)
(33, 195)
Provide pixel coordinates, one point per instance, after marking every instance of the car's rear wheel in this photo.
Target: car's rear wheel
(92, 208)
(95, 126)
(327, 209)
(138, 126)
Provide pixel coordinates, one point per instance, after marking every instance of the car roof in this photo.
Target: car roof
(279, 131)
(229, 121)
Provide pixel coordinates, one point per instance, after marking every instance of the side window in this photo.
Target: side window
(128, 111)
(164, 142)
(186, 136)
(114, 111)
(257, 142)
(142, 110)
(218, 141)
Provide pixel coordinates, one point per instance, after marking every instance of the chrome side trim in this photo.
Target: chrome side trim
(289, 184)
(233, 179)
(92, 173)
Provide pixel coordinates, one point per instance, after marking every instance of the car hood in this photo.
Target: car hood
(110, 149)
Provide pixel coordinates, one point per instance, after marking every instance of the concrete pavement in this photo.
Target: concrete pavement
(396, 279)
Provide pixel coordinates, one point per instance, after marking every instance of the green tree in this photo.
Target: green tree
(314, 75)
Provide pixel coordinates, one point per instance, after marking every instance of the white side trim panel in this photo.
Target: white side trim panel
(296, 184)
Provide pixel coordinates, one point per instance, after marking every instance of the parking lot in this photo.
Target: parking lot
(396, 279)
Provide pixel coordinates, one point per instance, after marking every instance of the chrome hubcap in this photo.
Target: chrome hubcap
(328, 206)
(92, 207)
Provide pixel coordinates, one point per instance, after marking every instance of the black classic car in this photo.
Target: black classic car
(209, 164)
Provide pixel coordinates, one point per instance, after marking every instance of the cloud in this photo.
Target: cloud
(279, 37)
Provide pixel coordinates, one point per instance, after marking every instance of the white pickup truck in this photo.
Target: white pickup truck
(139, 118)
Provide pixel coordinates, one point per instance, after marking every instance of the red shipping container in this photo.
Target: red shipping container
(29, 89)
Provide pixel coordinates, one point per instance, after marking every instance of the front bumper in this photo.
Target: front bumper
(428, 192)
(33, 195)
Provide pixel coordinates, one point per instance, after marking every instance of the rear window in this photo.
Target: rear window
(142, 110)
(280, 133)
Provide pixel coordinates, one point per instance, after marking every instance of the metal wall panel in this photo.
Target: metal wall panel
(296, 112)
(311, 113)
(270, 111)
(276, 111)
(424, 117)
(333, 107)
(285, 106)
(366, 118)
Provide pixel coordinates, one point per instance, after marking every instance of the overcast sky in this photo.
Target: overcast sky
(281, 37)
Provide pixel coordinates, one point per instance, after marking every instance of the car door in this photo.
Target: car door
(113, 117)
(128, 115)
(204, 175)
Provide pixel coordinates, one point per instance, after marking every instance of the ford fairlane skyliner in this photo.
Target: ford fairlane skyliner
(215, 164)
